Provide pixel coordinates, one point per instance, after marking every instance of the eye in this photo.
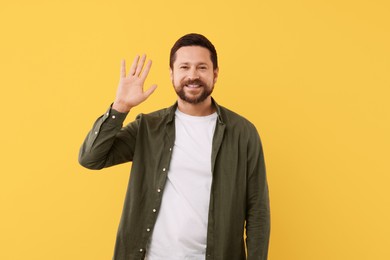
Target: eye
(202, 67)
(184, 67)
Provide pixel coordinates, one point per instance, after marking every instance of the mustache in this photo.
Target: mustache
(194, 82)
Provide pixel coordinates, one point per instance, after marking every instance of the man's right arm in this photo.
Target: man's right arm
(108, 143)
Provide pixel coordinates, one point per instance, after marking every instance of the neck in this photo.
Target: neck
(204, 108)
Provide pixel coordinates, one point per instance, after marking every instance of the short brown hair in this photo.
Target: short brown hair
(194, 39)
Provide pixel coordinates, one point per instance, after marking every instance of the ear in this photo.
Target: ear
(171, 74)
(216, 71)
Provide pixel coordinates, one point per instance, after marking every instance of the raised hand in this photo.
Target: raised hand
(130, 91)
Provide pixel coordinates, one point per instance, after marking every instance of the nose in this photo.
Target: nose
(193, 74)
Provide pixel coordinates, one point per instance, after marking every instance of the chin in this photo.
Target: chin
(185, 95)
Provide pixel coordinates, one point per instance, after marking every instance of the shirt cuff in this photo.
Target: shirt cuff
(113, 116)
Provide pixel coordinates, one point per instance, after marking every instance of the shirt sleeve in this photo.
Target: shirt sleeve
(258, 209)
(108, 143)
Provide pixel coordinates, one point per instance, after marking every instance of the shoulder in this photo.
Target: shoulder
(157, 117)
(234, 120)
(241, 129)
(161, 113)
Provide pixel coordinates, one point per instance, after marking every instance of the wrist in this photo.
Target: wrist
(122, 108)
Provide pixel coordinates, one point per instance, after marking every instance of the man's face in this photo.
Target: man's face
(192, 75)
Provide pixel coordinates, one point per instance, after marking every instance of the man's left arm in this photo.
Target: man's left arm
(258, 209)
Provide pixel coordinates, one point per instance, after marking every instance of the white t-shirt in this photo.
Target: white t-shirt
(180, 232)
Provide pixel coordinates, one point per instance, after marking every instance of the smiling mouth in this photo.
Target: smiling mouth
(193, 86)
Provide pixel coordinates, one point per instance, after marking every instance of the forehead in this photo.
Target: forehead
(193, 54)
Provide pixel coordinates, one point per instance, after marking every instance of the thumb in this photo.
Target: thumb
(150, 90)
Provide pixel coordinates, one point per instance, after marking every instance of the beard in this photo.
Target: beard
(205, 91)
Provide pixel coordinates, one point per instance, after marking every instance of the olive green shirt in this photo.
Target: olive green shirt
(239, 192)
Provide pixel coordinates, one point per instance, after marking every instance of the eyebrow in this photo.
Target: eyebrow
(187, 63)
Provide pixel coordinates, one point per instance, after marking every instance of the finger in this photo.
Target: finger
(123, 68)
(133, 66)
(146, 70)
(140, 65)
(149, 91)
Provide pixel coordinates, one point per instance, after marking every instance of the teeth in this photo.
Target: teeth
(192, 86)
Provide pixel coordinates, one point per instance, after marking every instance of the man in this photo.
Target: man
(198, 179)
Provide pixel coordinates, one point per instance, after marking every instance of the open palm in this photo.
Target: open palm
(130, 91)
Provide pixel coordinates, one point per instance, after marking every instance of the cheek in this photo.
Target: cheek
(176, 80)
(179, 78)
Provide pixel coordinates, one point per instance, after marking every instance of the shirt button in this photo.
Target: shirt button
(141, 250)
(107, 113)
(154, 210)
(158, 190)
(113, 117)
(148, 229)
(96, 132)
(164, 169)
(170, 149)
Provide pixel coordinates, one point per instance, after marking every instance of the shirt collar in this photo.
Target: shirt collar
(172, 109)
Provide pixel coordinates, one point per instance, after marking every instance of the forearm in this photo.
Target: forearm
(258, 228)
(101, 147)
(258, 208)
